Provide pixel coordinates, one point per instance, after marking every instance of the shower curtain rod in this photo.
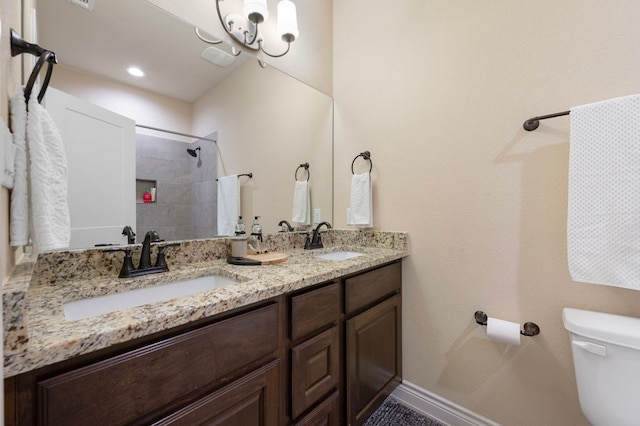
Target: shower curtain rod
(176, 133)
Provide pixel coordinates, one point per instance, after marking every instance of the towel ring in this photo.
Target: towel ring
(49, 57)
(303, 166)
(367, 156)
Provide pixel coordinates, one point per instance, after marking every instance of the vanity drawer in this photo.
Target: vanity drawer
(151, 379)
(365, 289)
(314, 310)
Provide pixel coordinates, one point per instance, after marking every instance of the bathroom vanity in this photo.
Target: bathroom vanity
(317, 342)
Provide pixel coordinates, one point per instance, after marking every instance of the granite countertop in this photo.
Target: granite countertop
(37, 333)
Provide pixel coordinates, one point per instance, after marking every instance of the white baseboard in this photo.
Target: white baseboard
(437, 407)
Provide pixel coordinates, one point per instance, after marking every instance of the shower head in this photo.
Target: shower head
(193, 152)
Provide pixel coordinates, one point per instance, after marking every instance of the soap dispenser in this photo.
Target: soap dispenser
(256, 235)
(240, 226)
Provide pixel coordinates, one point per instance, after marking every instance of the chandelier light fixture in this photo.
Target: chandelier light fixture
(244, 28)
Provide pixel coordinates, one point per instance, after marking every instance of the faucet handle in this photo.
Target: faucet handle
(161, 262)
(307, 242)
(127, 264)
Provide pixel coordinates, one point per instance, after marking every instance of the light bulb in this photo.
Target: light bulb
(135, 71)
(287, 21)
(256, 10)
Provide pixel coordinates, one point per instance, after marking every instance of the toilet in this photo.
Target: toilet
(606, 357)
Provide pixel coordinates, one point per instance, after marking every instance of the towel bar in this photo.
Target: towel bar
(20, 46)
(249, 175)
(533, 123)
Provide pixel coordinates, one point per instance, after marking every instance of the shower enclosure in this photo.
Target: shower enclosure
(185, 204)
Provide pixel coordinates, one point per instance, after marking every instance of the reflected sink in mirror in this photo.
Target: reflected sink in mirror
(88, 308)
(339, 255)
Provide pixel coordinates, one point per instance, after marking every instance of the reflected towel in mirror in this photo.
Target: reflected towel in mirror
(228, 204)
(301, 203)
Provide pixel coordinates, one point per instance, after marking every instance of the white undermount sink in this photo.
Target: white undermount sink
(339, 255)
(87, 308)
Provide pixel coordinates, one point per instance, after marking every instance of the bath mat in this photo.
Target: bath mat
(394, 413)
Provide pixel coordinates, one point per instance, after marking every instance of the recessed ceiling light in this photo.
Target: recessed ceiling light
(135, 71)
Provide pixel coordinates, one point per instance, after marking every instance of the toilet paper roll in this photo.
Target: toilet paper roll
(503, 331)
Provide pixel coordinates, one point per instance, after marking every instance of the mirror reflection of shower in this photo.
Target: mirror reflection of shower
(194, 153)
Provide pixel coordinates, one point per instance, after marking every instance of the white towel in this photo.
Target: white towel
(603, 226)
(228, 204)
(301, 203)
(361, 211)
(19, 211)
(47, 181)
(9, 156)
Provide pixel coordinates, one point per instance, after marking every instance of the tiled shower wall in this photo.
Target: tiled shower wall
(186, 194)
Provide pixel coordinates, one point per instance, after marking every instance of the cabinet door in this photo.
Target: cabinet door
(325, 414)
(315, 369)
(373, 358)
(251, 400)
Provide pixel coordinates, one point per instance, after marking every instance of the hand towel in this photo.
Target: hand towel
(603, 226)
(301, 203)
(50, 219)
(19, 210)
(228, 204)
(361, 211)
(9, 156)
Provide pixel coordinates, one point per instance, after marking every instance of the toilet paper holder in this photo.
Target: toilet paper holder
(530, 328)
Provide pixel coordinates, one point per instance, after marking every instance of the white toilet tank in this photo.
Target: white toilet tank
(606, 356)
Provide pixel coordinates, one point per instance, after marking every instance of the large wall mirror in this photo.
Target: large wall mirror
(265, 122)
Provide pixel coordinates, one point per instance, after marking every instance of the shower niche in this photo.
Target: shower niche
(146, 186)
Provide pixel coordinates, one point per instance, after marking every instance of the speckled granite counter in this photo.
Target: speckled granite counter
(36, 332)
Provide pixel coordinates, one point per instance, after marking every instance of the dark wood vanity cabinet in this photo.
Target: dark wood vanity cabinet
(373, 358)
(227, 370)
(363, 341)
(327, 355)
(373, 336)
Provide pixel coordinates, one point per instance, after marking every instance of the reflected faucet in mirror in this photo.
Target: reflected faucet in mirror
(285, 226)
(131, 236)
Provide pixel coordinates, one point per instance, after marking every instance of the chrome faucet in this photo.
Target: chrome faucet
(286, 226)
(316, 241)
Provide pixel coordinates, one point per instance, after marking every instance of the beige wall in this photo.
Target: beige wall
(439, 101)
